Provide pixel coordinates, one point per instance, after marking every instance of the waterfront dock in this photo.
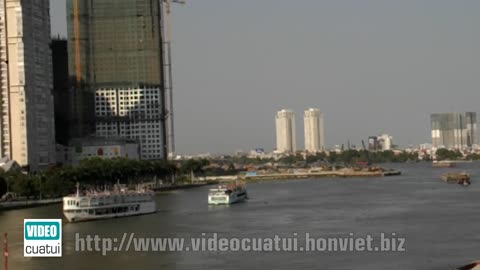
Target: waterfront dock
(322, 174)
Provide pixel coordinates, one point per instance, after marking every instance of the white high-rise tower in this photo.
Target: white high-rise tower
(314, 133)
(285, 125)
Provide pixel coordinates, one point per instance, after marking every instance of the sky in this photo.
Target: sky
(371, 66)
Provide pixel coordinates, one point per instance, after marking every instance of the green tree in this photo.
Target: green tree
(195, 166)
(473, 156)
(292, 159)
(333, 157)
(445, 154)
(318, 157)
(22, 185)
(427, 157)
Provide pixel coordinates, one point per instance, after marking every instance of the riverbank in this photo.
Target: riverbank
(214, 180)
(180, 186)
(325, 174)
(12, 205)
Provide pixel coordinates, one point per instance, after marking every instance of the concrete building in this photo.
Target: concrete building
(80, 149)
(454, 130)
(137, 110)
(373, 144)
(380, 143)
(285, 127)
(314, 132)
(8, 165)
(115, 51)
(425, 146)
(27, 121)
(385, 142)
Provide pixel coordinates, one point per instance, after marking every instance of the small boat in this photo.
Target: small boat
(458, 178)
(470, 266)
(120, 202)
(443, 164)
(227, 193)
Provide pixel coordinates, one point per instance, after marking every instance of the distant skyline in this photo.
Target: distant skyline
(372, 67)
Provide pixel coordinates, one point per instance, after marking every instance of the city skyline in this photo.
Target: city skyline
(307, 134)
(371, 77)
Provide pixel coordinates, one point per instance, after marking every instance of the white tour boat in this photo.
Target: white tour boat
(227, 194)
(120, 202)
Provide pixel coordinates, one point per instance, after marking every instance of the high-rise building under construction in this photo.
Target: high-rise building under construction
(116, 69)
(454, 130)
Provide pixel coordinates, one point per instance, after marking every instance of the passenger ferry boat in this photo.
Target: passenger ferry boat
(120, 202)
(227, 194)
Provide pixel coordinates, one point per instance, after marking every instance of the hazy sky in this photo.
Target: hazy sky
(370, 66)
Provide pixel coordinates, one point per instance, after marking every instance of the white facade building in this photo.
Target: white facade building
(285, 126)
(131, 114)
(314, 132)
(27, 121)
(385, 141)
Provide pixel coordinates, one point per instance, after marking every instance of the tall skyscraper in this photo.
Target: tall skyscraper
(285, 126)
(62, 93)
(27, 120)
(116, 63)
(314, 133)
(454, 130)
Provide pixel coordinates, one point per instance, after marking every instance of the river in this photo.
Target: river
(440, 223)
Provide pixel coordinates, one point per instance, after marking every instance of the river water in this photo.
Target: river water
(440, 222)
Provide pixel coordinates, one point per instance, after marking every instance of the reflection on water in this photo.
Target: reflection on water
(440, 221)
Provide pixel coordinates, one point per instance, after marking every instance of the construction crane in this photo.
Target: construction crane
(168, 72)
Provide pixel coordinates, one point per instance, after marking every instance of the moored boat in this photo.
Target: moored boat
(121, 202)
(458, 178)
(227, 193)
(443, 164)
(470, 266)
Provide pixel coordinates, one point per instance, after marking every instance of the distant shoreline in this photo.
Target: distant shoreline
(179, 186)
(328, 174)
